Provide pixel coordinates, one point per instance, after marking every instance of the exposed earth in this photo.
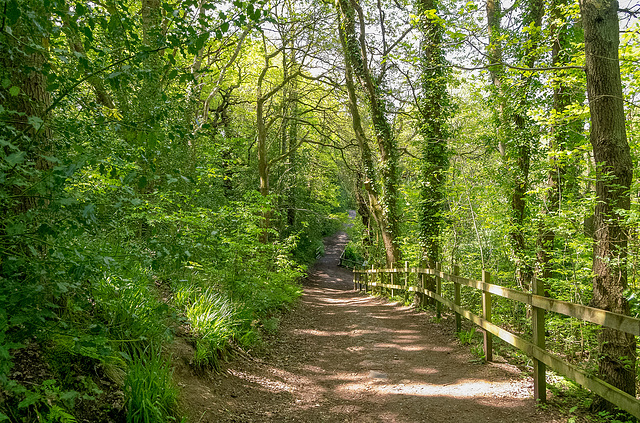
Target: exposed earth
(341, 356)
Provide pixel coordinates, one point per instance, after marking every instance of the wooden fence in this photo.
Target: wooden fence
(348, 263)
(398, 279)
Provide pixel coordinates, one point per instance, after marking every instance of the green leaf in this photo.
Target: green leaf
(80, 9)
(30, 399)
(89, 212)
(15, 158)
(201, 40)
(167, 8)
(35, 121)
(88, 33)
(224, 27)
(13, 13)
(14, 91)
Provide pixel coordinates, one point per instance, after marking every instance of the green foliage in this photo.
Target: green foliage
(213, 320)
(150, 393)
(130, 311)
(106, 207)
(46, 402)
(466, 336)
(351, 252)
(478, 352)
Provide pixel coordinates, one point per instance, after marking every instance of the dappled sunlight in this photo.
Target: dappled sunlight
(463, 389)
(400, 347)
(346, 301)
(424, 370)
(345, 357)
(269, 384)
(322, 332)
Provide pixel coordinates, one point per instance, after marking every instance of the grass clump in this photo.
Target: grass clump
(214, 321)
(151, 395)
(130, 309)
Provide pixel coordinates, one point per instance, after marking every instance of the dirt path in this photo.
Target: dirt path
(344, 357)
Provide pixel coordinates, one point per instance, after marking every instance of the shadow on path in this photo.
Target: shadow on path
(344, 357)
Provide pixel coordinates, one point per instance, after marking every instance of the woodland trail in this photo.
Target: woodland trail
(343, 357)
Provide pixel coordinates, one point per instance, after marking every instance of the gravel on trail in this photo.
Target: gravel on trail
(341, 356)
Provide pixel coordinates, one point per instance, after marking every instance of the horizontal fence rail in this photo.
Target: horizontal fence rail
(389, 278)
(348, 263)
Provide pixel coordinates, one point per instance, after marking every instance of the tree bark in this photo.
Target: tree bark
(515, 127)
(435, 109)
(26, 110)
(614, 173)
(384, 206)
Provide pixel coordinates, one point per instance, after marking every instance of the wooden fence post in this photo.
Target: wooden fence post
(539, 368)
(406, 281)
(456, 298)
(422, 295)
(373, 279)
(366, 283)
(486, 314)
(392, 280)
(438, 290)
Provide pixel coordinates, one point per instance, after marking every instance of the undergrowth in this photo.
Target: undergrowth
(97, 350)
(151, 395)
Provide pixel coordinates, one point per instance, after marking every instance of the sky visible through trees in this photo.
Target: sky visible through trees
(169, 168)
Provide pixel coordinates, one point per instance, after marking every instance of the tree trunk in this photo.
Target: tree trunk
(516, 137)
(614, 172)
(370, 182)
(363, 211)
(384, 206)
(263, 164)
(435, 110)
(562, 139)
(28, 107)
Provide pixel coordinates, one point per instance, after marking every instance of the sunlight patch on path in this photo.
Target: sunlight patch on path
(462, 389)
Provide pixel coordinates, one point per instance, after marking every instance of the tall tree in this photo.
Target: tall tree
(516, 128)
(565, 134)
(24, 95)
(614, 168)
(384, 206)
(435, 109)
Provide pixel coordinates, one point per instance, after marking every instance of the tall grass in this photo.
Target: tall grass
(151, 395)
(130, 309)
(214, 320)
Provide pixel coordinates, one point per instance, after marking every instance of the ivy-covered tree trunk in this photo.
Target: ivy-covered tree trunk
(385, 205)
(617, 361)
(289, 136)
(435, 109)
(263, 160)
(368, 180)
(25, 99)
(520, 139)
(515, 127)
(563, 139)
(363, 210)
(148, 99)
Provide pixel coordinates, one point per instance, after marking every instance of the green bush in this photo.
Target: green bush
(130, 310)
